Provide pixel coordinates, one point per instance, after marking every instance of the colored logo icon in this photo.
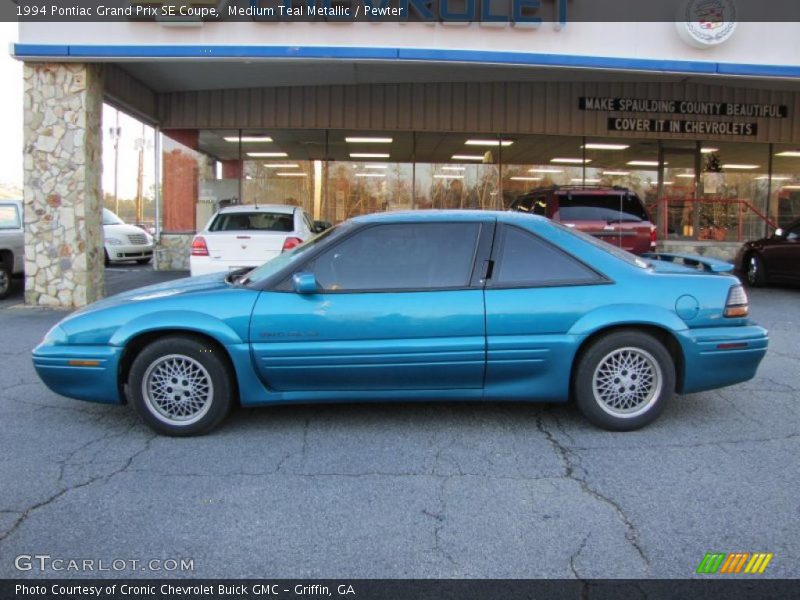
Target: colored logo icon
(734, 562)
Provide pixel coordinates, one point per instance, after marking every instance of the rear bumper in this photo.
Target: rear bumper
(80, 372)
(716, 357)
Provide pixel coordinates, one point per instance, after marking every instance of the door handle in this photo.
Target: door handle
(486, 270)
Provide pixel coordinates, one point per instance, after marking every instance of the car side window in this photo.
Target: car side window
(794, 234)
(410, 256)
(9, 217)
(525, 259)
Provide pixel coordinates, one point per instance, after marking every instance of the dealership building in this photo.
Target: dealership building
(702, 120)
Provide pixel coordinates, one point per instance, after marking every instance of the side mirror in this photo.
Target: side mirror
(779, 232)
(320, 226)
(305, 283)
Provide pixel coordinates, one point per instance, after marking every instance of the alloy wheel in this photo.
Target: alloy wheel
(177, 389)
(627, 381)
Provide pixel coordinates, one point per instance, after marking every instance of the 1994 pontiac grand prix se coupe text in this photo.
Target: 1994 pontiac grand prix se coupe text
(437, 305)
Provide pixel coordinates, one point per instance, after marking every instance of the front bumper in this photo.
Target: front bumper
(80, 372)
(118, 253)
(716, 357)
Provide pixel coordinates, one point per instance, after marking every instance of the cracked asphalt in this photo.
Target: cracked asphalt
(405, 490)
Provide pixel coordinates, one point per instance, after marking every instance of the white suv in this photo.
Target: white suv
(248, 235)
(12, 243)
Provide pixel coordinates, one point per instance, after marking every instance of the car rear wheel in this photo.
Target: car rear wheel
(5, 280)
(180, 386)
(754, 270)
(623, 380)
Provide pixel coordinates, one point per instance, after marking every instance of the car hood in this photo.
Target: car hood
(185, 286)
(122, 230)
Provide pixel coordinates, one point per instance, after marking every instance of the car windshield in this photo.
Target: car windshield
(616, 251)
(109, 218)
(253, 221)
(601, 207)
(274, 265)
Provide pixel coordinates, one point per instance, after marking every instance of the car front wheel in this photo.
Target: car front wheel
(623, 380)
(180, 386)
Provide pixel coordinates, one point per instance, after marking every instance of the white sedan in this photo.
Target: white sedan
(125, 242)
(246, 236)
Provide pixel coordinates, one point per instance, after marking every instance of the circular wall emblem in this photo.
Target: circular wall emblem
(706, 23)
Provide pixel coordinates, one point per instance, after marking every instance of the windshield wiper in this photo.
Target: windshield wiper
(238, 277)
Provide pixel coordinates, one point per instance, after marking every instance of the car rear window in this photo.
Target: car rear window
(9, 217)
(621, 254)
(601, 207)
(253, 221)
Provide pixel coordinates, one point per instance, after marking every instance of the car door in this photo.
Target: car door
(398, 308)
(11, 233)
(534, 294)
(783, 257)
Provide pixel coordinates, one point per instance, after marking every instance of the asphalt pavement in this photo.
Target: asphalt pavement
(402, 490)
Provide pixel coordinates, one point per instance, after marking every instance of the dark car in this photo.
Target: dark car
(613, 214)
(774, 259)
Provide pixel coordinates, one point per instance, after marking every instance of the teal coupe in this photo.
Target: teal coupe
(425, 305)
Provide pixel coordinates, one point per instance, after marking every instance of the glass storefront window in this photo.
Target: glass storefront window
(458, 170)
(367, 173)
(784, 190)
(712, 191)
(540, 162)
(679, 191)
(732, 187)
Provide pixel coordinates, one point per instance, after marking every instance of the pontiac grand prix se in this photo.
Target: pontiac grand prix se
(436, 305)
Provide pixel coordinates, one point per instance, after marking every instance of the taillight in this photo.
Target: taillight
(291, 242)
(653, 237)
(736, 304)
(199, 247)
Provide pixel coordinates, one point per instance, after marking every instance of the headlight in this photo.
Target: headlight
(55, 336)
(113, 242)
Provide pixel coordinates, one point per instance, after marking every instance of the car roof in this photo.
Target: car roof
(278, 208)
(421, 216)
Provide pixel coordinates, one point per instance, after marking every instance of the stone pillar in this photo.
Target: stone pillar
(63, 107)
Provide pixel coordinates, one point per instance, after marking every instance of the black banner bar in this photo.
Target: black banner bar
(748, 587)
(714, 14)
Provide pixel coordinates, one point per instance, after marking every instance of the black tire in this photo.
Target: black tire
(143, 261)
(106, 259)
(208, 382)
(755, 274)
(5, 280)
(601, 367)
